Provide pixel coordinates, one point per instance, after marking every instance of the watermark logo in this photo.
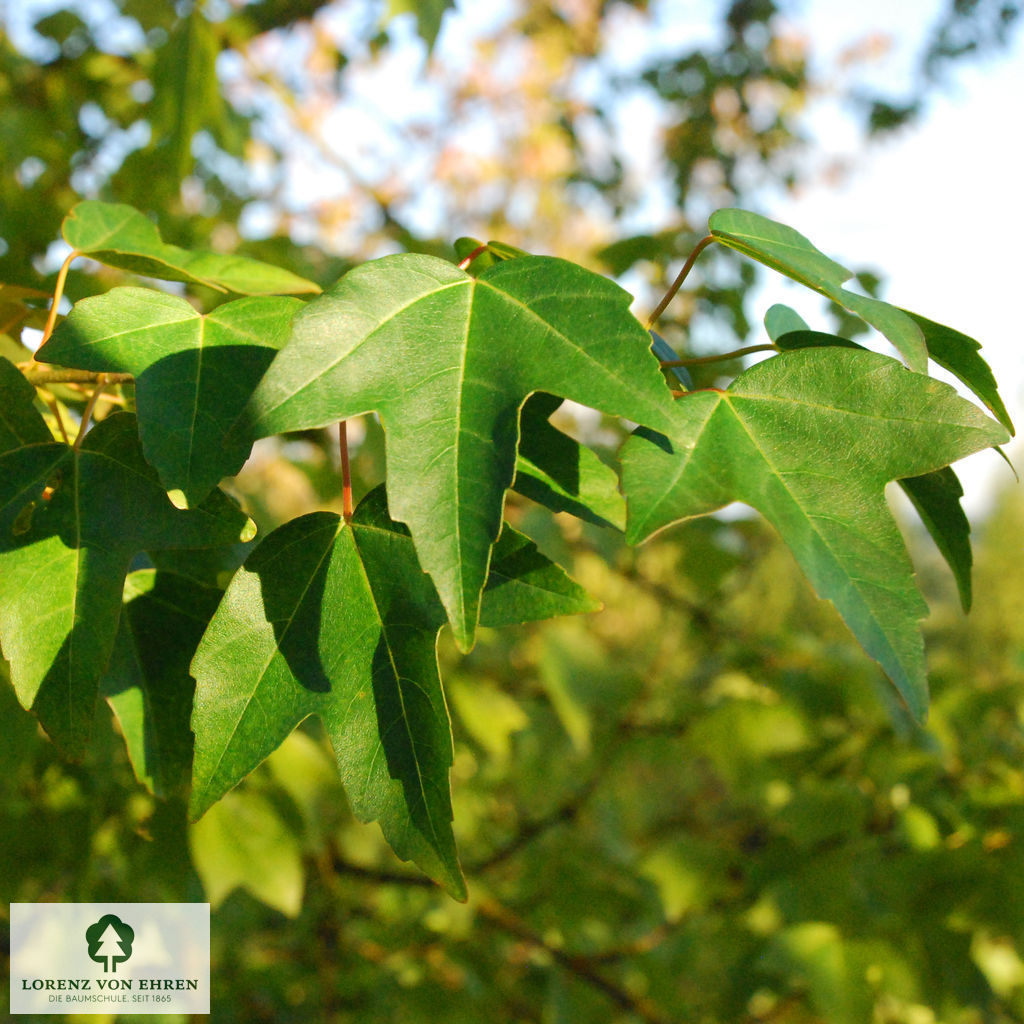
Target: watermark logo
(110, 941)
(114, 958)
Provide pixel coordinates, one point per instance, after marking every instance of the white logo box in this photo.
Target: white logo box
(110, 958)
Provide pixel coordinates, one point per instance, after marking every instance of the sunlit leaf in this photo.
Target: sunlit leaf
(810, 439)
(120, 236)
(338, 620)
(193, 373)
(447, 360)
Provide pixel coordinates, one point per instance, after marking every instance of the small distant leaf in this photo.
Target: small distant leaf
(958, 353)
(21, 307)
(561, 474)
(447, 360)
(147, 682)
(121, 237)
(245, 843)
(429, 14)
(93, 510)
(187, 95)
(338, 620)
(810, 441)
(20, 423)
(936, 496)
(193, 373)
(787, 251)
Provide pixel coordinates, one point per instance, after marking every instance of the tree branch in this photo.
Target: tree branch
(580, 966)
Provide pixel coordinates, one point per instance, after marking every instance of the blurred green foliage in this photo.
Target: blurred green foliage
(697, 804)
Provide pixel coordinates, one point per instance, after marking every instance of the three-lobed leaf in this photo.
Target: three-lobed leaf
(120, 236)
(448, 360)
(338, 620)
(936, 496)
(71, 519)
(810, 441)
(193, 373)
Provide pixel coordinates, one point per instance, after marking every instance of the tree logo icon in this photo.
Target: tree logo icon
(110, 941)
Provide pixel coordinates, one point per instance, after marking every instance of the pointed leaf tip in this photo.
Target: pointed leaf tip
(810, 440)
(475, 348)
(120, 236)
(787, 251)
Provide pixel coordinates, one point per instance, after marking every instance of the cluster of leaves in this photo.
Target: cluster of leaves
(337, 615)
(693, 806)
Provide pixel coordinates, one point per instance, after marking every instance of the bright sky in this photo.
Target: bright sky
(938, 209)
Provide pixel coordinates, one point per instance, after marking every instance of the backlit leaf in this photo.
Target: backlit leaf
(121, 237)
(193, 373)
(936, 496)
(246, 843)
(810, 440)
(958, 353)
(787, 251)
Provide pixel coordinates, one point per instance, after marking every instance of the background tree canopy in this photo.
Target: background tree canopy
(701, 803)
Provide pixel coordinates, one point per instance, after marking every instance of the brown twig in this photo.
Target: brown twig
(702, 360)
(580, 966)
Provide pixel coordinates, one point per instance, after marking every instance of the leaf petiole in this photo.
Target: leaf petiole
(702, 360)
(346, 472)
(90, 405)
(680, 278)
(58, 293)
(478, 251)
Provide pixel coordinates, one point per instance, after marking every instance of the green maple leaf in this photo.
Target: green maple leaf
(147, 682)
(338, 620)
(787, 251)
(193, 373)
(70, 522)
(810, 441)
(448, 360)
(936, 496)
(120, 236)
(428, 13)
